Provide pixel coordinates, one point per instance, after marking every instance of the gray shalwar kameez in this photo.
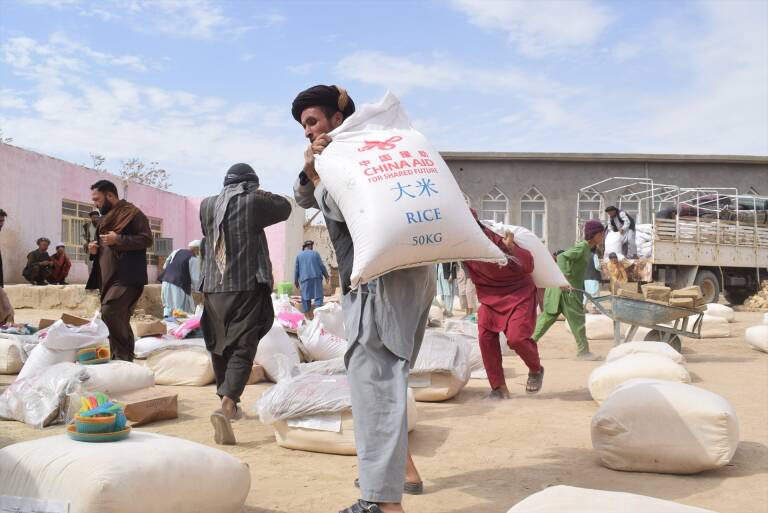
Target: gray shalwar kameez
(384, 321)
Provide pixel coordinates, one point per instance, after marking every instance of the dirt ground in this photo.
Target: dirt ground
(479, 456)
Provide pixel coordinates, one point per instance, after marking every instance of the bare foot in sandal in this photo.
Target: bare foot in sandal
(535, 380)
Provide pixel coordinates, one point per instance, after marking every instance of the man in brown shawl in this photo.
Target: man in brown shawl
(119, 264)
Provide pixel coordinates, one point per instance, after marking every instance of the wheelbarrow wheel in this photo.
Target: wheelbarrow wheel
(657, 336)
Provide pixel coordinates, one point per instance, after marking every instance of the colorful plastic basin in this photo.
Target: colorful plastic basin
(96, 424)
(97, 437)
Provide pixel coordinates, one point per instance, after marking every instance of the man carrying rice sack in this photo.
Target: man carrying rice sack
(507, 305)
(384, 319)
(237, 284)
(573, 262)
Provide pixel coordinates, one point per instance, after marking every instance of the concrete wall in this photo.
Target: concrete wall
(560, 181)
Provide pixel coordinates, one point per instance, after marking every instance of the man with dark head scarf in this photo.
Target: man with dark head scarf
(39, 264)
(573, 262)
(236, 284)
(384, 321)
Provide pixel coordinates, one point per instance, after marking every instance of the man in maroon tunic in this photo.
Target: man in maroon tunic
(507, 298)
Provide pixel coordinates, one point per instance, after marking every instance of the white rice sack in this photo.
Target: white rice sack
(147, 472)
(436, 315)
(718, 310)
(545, 273)
(47, 397)
(666, 427)
(62, 336)
(757, 337)
(400, 200)
(470, 329)
(117, 377)
(41, 357)
(332, 433)
(598, 326)
(562, 499)
(276, 342)
(608, 376)
(324, 345)
(658, 348)
(613, 243)
(184, 366)
(332, 319)
(10, 355)
(443, 352)
(148, 345)
(304, 395)
(711, 327)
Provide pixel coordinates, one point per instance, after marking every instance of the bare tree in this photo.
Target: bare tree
(134, 170)
(5, 140)
(97, 162)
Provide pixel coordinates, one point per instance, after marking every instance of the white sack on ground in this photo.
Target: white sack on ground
(659, 348)
(562, 499)
(598, 326)
(147, 345)
(63, 336)
(147, 472)
(332, 318)
(304, 395)
(666, 427)
(10, 354)
(276, 342)
(442, 368)
(718, 310)
(399, 198)
(711, 327)
(470, 329)
(321, 344)
(608, 376)
(757, 337)
(184, 367)
(331, 434)
(59, 343)
(47, 397)
(117, 377)
(546, 273)
(436, 315)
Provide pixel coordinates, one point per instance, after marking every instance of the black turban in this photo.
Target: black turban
(240, 173)
(333, 96)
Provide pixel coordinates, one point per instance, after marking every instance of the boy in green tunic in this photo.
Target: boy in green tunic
(573, 262)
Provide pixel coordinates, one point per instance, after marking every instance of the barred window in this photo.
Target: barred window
(533, 213)
(495, 206)
(74, 215)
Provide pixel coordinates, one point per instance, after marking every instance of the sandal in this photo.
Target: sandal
(222, 429)
(411, 488)
(535, 381)
(362, 506)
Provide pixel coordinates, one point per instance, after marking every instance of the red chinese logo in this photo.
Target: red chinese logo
(389, 144)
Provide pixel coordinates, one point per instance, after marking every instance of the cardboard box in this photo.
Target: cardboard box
(659, 293)
(148, 328)
(149, 405)
(682, 302)
(630, 294)
(68, 319)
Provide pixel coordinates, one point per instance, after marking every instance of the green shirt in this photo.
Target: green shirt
(573, 263)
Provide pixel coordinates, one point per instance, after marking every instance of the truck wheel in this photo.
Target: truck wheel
(737, 296)
(709, 285)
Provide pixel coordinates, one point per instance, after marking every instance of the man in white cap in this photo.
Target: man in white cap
(180, 276)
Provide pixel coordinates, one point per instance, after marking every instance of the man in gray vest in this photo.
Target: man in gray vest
(384, 320)
(180, 276)
(237, 285)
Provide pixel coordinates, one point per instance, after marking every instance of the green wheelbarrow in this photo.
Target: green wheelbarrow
(667, 323)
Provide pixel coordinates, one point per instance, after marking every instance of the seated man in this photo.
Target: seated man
(61, 266)
(39, 264)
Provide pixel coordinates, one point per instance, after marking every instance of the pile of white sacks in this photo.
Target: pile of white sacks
(652, 420)
(48, 388)
(644, 240)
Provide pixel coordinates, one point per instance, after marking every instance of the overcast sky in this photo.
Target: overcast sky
(201, 84)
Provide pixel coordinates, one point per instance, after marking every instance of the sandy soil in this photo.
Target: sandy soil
(478, 456)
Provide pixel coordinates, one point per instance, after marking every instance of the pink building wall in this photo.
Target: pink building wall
(32, 187)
